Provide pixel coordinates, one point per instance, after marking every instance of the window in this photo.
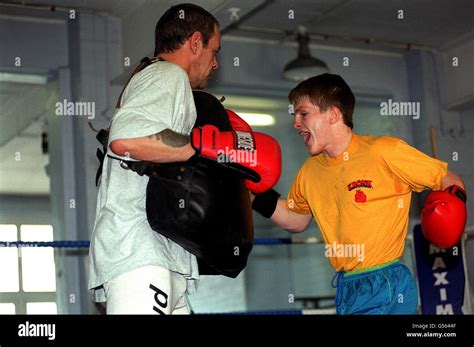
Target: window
(8, 258)
(28, 273)
(41, 308)
(7, 308)
(38, 270)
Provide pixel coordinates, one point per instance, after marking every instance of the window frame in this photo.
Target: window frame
(21, 298)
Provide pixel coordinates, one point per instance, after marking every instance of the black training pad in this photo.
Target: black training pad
(203, 206)
(210, 111)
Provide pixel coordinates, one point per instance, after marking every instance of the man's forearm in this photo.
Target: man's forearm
(289, 220)
(163, 147)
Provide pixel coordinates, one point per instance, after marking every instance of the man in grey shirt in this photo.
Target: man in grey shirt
(133, 268)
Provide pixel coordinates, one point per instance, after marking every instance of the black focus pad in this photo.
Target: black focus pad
(210, 111)
(206, 211)
(202, 205)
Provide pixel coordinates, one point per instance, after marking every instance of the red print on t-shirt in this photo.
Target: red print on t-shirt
(360, 196)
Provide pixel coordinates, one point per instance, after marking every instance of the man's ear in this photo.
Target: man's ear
(195, 42)
(335, 115)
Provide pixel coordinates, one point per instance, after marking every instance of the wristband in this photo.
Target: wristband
(265, 203)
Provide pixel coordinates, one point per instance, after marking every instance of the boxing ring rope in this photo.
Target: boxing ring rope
(86, 244)
(54, 244)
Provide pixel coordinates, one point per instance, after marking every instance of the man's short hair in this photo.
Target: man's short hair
(325, 91)
(178, 23)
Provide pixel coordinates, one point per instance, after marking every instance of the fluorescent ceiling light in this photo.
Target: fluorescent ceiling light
(257, 119)
(22, 78)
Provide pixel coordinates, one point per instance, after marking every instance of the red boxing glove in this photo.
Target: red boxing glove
(269, 156)
(236, 122)
(257, 156)
(443, 217)
(268, 163)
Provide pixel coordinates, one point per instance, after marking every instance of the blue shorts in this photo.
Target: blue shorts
(387, 289)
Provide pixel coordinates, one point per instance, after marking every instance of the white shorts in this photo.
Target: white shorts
(147, 290)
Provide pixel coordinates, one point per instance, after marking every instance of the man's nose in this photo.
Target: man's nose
(215, 65)
(296, 122)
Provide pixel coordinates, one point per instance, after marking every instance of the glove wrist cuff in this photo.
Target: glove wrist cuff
(265, 203)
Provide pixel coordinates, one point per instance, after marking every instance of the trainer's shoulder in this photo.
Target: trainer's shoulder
(167, 70)
(161, 73)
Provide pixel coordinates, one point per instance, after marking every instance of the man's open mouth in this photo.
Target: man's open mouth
(306, 136)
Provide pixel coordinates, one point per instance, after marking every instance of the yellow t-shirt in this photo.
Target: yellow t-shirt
(361, 198)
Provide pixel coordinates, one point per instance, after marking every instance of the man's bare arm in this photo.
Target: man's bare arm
(291, 221)
(451, 178)
(163, 147)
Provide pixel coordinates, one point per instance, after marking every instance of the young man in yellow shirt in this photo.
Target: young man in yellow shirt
(358, 189)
